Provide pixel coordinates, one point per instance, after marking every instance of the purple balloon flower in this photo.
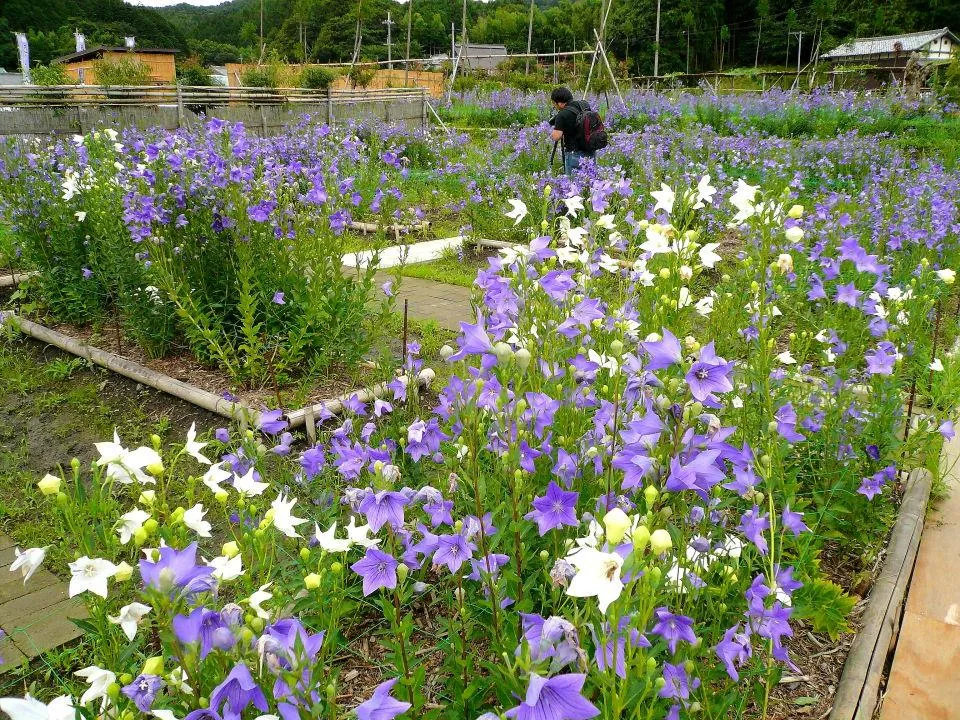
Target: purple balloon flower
(709, 374)
(663, 353)
(556, 698)
(453, 551)
(556, 508)
(382, 706)
(177, 569)
(673, 628)
(237, 692)
(377, 569)
(384, 507)
(143, 690)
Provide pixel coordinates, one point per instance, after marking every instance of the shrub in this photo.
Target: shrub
(317, 78)
(50, 75)
(124, 71)
(259, 77)
(193, 74)
(361, 76)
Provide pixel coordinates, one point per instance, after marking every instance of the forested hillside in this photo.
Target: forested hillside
(720, 32)
(710, 34)
(50, 25)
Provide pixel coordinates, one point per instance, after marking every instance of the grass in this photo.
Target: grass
(449, 268)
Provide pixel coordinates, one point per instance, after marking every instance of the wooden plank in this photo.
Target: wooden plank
(856, 696)
(6, 542)
(48, 628)
(7, 556)
(12, 587)
(13, 611)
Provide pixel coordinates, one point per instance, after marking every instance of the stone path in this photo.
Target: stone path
(34, 617)
(924, 682)
(447, 304)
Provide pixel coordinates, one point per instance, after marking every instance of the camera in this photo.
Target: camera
(552, 121)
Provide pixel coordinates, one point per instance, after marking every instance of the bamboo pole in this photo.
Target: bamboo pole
(296, 418)
(134, 371)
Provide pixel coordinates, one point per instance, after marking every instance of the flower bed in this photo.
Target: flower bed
(637, 484)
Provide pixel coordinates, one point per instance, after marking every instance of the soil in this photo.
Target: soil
(63, 431)
(184, 367)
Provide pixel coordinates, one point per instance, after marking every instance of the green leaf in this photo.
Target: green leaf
(826, 605)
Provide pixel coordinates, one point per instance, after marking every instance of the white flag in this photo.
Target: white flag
(128, 41)
(81, 41)
(23, 46)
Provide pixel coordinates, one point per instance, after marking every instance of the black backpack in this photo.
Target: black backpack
(590, 130)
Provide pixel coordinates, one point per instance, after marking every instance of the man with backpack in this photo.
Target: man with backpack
(579, 126)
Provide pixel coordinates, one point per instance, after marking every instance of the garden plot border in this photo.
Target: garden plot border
(238, 411)
(14, 279)
(858, 692)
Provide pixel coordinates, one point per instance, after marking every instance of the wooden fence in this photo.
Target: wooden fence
(383, 78)
(76, 109)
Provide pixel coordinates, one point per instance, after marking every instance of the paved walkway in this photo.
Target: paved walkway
(34, 617)
(924, 682)
(447, 304)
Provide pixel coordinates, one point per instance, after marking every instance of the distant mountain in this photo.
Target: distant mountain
(50, 25)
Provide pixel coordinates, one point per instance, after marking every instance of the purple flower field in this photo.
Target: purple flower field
(663, 448)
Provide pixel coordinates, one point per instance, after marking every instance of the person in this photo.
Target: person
(565, 128)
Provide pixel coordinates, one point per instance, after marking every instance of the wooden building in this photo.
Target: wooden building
(892, 51)
(81, 66)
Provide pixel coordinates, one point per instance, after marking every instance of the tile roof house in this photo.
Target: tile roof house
(932, 46)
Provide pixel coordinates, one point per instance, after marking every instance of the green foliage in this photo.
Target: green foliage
(50, 75)
(193, 73)
(262, 76)
(317, 78)
(123, 71)
(825, 605)
(361, 75)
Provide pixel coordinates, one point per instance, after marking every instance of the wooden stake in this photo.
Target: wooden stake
(405, 308)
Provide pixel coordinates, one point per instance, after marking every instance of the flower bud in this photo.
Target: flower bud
(140, 536)
(446, 351)
(615, 523)
(402, 572)
(686, 272)
(147, 497)
(544, 555)
(503, 351)
(522, 358)
(650, 494)
(156, 442)
(124, 572)
(795, 212)
(230, 549)
(664, 273)
(547, 189)
(177, 515)
(151, 526)
(153, 666)
(113, 690)
(304, 553)
(641, 537)
(49, 485)
(785, 263)
(221, 496)
(660, 541)
(311, 581)
(155, 469)
(336, 567)
(125, 678)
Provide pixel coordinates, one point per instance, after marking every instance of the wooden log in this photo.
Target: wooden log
(858, 690)
(366, 227)
(129, 369)
(9, 281)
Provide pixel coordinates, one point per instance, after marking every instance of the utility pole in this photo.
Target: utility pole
(389, 23)
(799, 35)
(464, 52)
(687, 33)
(262, 46)
(656, 45)
(529, 39)
(555, 62)
(406, 64)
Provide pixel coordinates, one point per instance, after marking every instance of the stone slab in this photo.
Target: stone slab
(411, 254)
(924, 682)
(13, 587)
(10, 655)
(447, 305)
(48, 628)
